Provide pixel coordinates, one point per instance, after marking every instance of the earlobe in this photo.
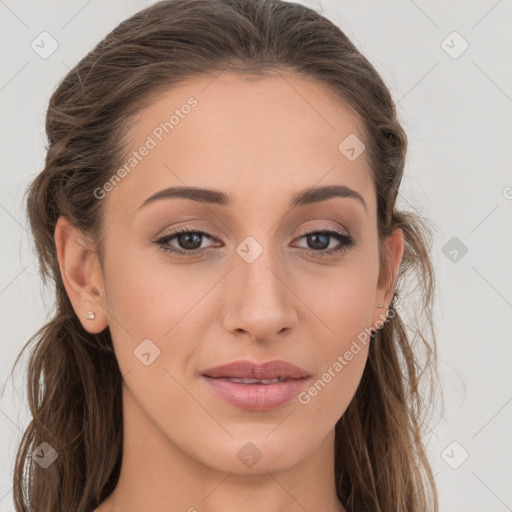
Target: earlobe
(81, 275)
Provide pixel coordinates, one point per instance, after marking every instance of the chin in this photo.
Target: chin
(255, 454)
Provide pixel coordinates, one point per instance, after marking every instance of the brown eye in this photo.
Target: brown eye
(185, 242)
(318, 242)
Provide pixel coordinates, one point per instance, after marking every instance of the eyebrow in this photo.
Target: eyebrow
(304, 197)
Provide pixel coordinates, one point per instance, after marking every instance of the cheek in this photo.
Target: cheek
(341, 351)
(329, 395)
(151, 309)
(149, 294)
(344, 298)
(169, 303)
(345, 310)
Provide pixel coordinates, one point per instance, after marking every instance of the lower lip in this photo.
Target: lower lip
(256, 397)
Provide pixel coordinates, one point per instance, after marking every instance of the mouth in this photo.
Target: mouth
(256, 386)
(257, 371)
(252, 381)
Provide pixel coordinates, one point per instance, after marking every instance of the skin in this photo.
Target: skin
(181, 441)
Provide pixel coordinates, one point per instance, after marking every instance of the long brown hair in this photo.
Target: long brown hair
(74, 382)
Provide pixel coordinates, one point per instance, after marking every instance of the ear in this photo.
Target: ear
(81, 274)
(394, 247)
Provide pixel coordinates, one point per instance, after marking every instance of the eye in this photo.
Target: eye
(188, 242)
(321, 240)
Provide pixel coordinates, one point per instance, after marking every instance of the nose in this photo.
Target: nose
(260, 302)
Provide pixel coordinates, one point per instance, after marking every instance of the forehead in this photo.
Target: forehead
(266, 135)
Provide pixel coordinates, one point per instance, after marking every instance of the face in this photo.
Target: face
(257, 278)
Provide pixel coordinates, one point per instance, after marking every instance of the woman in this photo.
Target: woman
(217, 211)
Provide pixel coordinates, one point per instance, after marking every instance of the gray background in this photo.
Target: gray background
(457, 113)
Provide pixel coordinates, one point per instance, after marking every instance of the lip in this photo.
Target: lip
(250, 370)
(256, 397)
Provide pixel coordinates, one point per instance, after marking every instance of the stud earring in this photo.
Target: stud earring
(91, 315)
(380, 306)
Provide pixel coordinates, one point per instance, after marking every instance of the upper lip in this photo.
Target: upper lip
(249, 370)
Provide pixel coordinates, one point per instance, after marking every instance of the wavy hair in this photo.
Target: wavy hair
(73, 379)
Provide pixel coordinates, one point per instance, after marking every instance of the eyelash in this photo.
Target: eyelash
(346, 243)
